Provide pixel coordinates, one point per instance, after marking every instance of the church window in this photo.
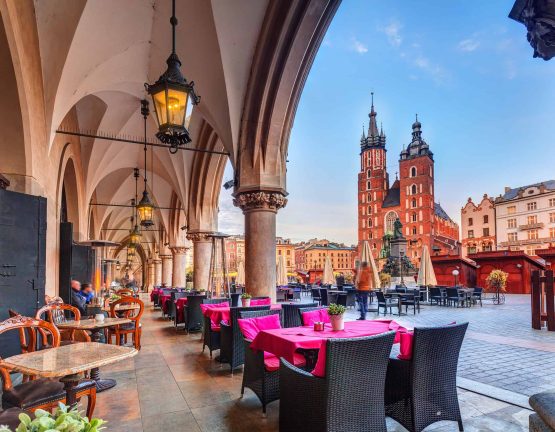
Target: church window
(413, 230)
(369, 222)
(414, 217)
(368, 185)
(413, 171)
(373, 245)
(368, 173)
(370, 235)
(369, 198)
(369, 209)
(414, 189)
(390, 218)
(413, 204)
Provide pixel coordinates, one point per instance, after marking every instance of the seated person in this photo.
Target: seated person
(87, 292)
(77, 299)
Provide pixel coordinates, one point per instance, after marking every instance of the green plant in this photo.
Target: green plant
(497, 280)
(63, 420)
(246, 296)
(335, 309)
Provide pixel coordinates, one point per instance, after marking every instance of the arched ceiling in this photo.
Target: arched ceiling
(96, 57)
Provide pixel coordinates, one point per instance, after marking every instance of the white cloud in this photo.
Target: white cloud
(436, 71)
(468, 45)
(358, 46)
(393, 33)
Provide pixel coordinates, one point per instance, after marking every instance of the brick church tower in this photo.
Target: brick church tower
(410, 198)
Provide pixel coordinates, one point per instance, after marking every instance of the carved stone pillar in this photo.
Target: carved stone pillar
(151, 275)
(202, 253)
(157, 272)
(260, 209)
(166, 270)
(179, 266)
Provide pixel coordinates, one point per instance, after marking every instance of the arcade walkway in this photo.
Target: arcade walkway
(171, 385)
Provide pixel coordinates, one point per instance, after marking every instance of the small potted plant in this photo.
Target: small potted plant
(246, 299)
(336, 312)
(63, 420)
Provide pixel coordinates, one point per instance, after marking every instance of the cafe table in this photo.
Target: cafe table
(67, 362)
(223, 313)
(284, 342)
(96, 328)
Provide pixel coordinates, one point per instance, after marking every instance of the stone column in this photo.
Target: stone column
(179, 266)
(202, 253)
(166, 270)
(157, 272)
(109, 274)
(151, 277)
(260, 209)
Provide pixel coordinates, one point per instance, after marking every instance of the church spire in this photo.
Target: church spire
(373, 127)
(363, 137)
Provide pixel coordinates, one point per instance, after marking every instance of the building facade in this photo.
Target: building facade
(234, 252)
(525, 217)
(285, 248)
(314, 253)
(410, 198)
(478, 226)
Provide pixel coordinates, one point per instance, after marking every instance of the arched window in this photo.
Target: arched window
(368, 173)
(368, 185)
(414, 217)
(413, 204)
(413, 230)
(389, 221)
(369, 209)
(369, 222)
(413, 189)
(413, 171)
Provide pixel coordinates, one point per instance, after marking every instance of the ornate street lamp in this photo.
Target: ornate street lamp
(456, 276)
(170, 95)
(135, 234)
(145, 208)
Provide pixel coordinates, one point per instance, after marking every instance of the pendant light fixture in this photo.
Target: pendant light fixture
(135, 234)
(145, 208)
(170, 96)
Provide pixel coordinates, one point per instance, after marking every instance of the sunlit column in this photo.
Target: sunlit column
(166, 270)
(260, 209)
(202, 253)
(179, 266)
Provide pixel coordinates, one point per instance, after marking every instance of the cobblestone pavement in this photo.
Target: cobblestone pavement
(500, 349)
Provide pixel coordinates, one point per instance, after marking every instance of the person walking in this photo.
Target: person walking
(363, 288)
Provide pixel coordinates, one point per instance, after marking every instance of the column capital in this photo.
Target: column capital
(199, 236)
(176, 250)
(260, 200)
(162, 257)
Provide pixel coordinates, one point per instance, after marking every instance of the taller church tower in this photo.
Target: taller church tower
(373, 181)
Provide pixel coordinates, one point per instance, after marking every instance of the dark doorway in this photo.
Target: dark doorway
(22, 259)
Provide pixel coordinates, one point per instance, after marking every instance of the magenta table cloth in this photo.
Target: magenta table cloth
(222, 313)
(179, 305)
(286, 341)
(153, 293)
(165, 302)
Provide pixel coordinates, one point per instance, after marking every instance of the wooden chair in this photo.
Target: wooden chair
(43, 393)
(55, 314)
(125, 292)
(133, 328)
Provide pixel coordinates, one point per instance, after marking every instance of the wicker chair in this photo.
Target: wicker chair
(436, 295)
(173, 309)
(192, 314)
(308, 309)
(422, 391)
(316, 295)
(210, 336)
(477, 295)
(291, 317)
(385, 302)
(351, 401)
(255, 376)
(232, 350)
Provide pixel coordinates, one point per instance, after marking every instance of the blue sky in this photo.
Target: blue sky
(486, 108)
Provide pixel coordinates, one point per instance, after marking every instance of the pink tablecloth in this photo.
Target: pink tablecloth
(179, 305)
(153, 293)
(285, 341)
(165, 302)
(219, 314)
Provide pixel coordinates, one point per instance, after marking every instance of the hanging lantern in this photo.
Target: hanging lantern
(170, 95)
(145, 208)
(135, 236)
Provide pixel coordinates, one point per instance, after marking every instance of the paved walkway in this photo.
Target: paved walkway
(500, 349)
(171, 385)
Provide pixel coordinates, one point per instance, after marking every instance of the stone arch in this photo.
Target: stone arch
(13, 163)
(69, 198)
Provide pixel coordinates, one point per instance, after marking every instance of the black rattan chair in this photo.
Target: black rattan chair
(210, 336)
(172, 308)
(384, 302)
(348, 399)
(436, 295)
(316, 295)
(412, 298)
(255, 376)
(477, 295)
(324, 300)
(232, 349)
(423, 390)
(192, 314)
(291, 317)
(454, 297)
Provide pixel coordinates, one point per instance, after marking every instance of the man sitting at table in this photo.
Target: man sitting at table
(363, 289)
(87, 292)
(77, 299)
